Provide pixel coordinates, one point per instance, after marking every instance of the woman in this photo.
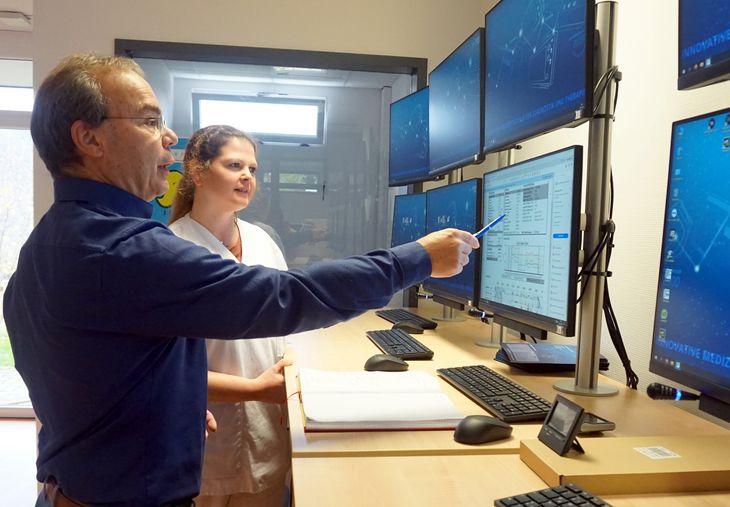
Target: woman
(248, 460)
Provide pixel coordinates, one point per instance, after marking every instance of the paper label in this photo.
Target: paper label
(657, 452)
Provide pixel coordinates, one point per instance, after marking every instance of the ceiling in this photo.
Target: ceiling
(24, 6)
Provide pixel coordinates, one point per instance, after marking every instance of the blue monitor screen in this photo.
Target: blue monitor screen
(408, 161)
(455, 107)
(538, 68)
(691, 342)
(455, 206)
(409, 218)
(529, 260)
(704, 42)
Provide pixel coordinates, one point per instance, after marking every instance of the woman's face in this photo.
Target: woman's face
(230, 181)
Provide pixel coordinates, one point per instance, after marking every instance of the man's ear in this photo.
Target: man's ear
(86, 139)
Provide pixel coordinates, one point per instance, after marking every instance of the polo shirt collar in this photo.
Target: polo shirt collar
(113, 198)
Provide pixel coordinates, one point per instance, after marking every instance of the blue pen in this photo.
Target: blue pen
(491, 224)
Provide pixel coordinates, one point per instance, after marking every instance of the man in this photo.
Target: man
(106, 306)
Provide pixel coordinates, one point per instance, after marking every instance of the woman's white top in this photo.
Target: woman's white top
(251, 450)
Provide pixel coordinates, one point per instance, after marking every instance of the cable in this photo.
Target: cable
(632, 379)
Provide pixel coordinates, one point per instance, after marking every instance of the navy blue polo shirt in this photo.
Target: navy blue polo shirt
(105, 314)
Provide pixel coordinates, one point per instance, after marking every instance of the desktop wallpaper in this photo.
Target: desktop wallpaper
(409, 218)
(535, 68)
(692, 321)
(409, 138)
(455, 107)
(454, 205)
(704, 34)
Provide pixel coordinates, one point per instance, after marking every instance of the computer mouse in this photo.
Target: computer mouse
(409, 326)
(385, 362)
(479, 429)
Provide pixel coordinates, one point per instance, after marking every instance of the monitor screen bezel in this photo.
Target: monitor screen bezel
(478, 157)
(687, 378)
(538, 321)
(426, 176)
(561, 122)
(413, 195)
(708, 75)
(432, 284)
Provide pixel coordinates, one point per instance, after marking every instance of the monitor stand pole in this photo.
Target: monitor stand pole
(598, 194)
(449, 315)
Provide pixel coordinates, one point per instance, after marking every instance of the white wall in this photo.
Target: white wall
(648, 101)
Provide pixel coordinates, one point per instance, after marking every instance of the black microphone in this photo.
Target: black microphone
(658, 391)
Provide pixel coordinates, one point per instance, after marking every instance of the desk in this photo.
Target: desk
(340, 468)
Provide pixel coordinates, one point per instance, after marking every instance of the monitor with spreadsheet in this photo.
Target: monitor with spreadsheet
(459, 206)
(691, 339)
(408, 161)
(456, 118)
(704, 43)
(529, 261)
(539, 68)
(409, 218)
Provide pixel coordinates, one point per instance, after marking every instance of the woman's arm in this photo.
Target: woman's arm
(268, 387)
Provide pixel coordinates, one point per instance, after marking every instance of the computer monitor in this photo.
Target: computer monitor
(691, 340)
(408, 162)
(539, 68)
(529, 261)
(459, 206)
(704, 43)
(455, 108)
(409, 218)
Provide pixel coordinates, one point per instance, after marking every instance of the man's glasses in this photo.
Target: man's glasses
(154, 123)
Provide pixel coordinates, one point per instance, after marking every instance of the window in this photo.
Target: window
(16, 176)
(16, 98)
(269, 119)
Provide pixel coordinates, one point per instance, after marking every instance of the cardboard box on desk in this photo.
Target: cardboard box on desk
(612, 466)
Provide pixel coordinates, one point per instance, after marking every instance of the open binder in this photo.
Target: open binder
(541, 357)
(366, 401)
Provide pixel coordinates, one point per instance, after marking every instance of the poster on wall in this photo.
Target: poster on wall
(162, 205)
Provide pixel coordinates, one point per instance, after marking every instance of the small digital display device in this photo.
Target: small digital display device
(561, 425)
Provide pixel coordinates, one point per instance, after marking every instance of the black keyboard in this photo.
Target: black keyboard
(567, 495)
(507, 400)
(399, 314)
(397, 342)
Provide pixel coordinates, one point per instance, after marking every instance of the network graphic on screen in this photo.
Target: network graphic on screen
(409, 159)
(455, 114)
(536, 76)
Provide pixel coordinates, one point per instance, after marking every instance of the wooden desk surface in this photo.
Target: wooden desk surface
(442, 481)
(345, 347)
